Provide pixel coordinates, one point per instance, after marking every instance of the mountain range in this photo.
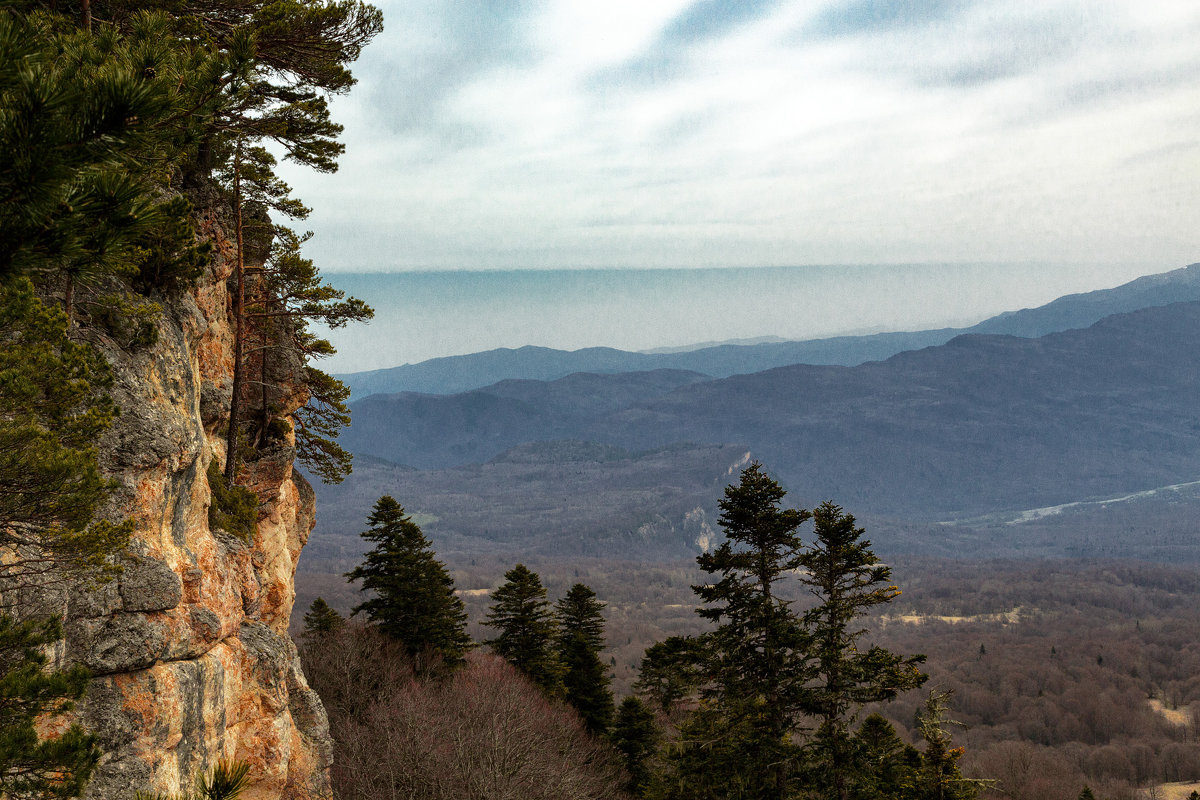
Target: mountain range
(456, 374)
(992, 444)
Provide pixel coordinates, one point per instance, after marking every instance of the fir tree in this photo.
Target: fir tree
(1087, 794)
(756, 659)
(414, 600)
(885, 767)
(848, 580)
(670, 671)
(635, 736)
(527, 628)
(580, 639)
(940, 777)
(321, 620)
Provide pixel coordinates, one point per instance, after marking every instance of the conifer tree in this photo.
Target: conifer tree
(289, 294)
(670, 671)
(414, 600)
(580, 640)
(940, 777)
(635, 736)
(320, 620)
(52, 410)
(527, 628)
(885, 766)
(30, 766)
(756, 658)
(848, 580)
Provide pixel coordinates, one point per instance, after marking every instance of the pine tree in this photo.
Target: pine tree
(670, 671)
(940, 777)
(288, 295)
(414, 600)
(30, 766)
(320, 620)
(52, 410)
(527, 628)
(885, 767)
(756, 659)
(635, 736)
(848, 580)
(580, 640)
(1087, 794)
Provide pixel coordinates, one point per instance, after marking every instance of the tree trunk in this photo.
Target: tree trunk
(239, 315)
(87, 15)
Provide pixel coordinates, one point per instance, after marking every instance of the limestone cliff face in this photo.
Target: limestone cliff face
(189, 645)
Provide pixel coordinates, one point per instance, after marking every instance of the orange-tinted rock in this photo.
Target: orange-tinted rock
(189, 645)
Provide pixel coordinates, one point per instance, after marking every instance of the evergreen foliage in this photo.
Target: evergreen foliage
(320, 620)
(527, 628)
(635, 735)
(233, 508)
(52, 410)
(289, 294)
(580, 639)
(885, 766)
(670, 671)
(848, 580)
(939, 776)
(414, 600)
(32, 767)
(766, 672)
(757, 658)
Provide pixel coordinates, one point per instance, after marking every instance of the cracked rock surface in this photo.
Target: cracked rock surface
(188, 646)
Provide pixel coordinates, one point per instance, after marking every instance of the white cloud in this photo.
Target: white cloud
(561, 134)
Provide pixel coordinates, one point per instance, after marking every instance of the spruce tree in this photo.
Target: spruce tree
(580, 639)
(321, 620)
(670, 671)
(757, 657)
(414, 600)
(885, 767)
(848, 580)
(635, 736)
(527, 628)
(939, 776)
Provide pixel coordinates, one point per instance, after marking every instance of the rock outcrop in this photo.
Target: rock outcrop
(189, 644)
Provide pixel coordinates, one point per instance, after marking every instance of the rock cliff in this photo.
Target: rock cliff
(189, 644)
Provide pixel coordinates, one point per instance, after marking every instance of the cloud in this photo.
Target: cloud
(874, 16)
(629, 133)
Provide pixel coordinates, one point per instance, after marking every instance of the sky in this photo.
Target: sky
(716, 133)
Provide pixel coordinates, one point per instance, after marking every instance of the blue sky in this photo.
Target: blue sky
(518, 134)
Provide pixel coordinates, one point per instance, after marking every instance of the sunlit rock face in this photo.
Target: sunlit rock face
(189, 644)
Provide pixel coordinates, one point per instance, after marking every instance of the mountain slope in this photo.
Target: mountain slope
(456, 374)
(980, 424)
(425, 431)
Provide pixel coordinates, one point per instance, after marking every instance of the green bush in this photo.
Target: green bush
(233, 508)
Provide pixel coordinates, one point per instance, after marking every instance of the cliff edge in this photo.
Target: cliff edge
(188, 646)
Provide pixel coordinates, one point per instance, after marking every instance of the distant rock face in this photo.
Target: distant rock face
(189, 645)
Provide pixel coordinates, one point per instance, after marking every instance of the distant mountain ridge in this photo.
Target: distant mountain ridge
(984, 422)
(937, 450)
(456, 374)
